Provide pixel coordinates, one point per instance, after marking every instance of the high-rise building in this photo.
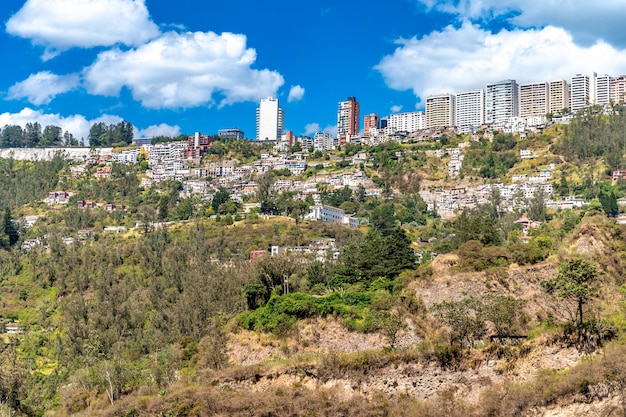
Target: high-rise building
(440, 111)
(558, 98)
(370, 124)
(348, 118)
(470, 110)
(323, 141)
(501, 101)
(406, 122)
(603, 90)
(269, 120)
(579, 92)
(534, 99)
(617, 89)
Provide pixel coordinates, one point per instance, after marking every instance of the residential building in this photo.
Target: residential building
(440, 111)
(269, 120)
(501, 101)
(558, 98)
(370, 124)
(579, 92)
(233, 133)
(331, 214)
(470, 110)
(407, 122)
(348, 118)
(323, 141)
(603, 90)
(534, 99)
(617, 89)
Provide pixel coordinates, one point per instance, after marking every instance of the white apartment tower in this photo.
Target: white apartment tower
(323, 141)
(470, 110)
(534, 99)
(269, 120)
(406, 122)
(579, 92)
(603, 90)
(558, 96)
(440, 111)
(501, 101)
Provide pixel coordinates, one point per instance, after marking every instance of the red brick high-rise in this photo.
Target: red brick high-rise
(370, 121)
(348, 118)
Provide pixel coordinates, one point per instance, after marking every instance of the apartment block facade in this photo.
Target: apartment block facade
(269, 120)
(440, 111)
(534, 99)
(470, 110)
(501, 101)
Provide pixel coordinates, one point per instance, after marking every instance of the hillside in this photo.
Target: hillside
(478, 283)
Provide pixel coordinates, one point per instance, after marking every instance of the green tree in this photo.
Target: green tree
(464, 318)
(220, 197)
(266, 195)
(576, 281)
(537, 207)
(10, 228)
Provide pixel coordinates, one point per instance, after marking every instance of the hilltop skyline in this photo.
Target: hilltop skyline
(200, 67)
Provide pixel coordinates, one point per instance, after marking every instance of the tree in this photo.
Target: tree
(10, 229)
(537, 208)
(265, 195)
(465, 319)
(575, 281)
(220, 197)
(52, 135)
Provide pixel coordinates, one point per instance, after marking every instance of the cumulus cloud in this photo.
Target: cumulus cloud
(456, 59)
(587, 23)
(311, 129)
(59, 25)
(42, 87)
(76, 124)
(396, 109)
(158, 130)
(184, 70)
(331, 129)
(295, 93)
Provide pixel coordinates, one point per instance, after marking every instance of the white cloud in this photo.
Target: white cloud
(184, 70)
(59, 25)
(456, 59)
(76, 124)
(158, 130)
(295, 93)
(331, 129)
(396, 109)
(587, 23)
(42, 87)
(311, 129)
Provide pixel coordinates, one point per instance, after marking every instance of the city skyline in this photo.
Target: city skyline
(200, 67)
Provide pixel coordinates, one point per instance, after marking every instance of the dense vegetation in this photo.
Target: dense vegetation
(140, 321)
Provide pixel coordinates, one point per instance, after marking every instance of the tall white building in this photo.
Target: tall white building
(534, 99)
(406, 122)
(470, 110)
(501, 101)
(558, 96)
(603, 90)
(579, 92)
(440, 111)
(269, 120)
(323, 141)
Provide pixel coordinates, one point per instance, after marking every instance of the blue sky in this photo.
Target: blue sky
(184, 66)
